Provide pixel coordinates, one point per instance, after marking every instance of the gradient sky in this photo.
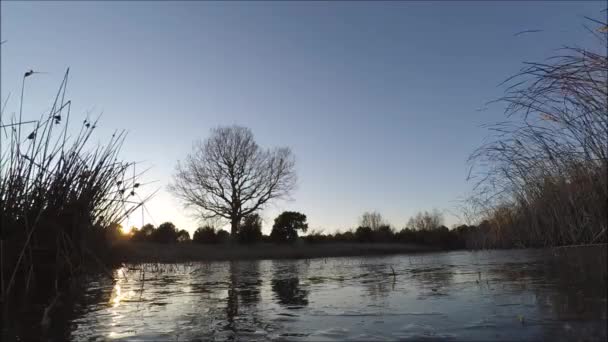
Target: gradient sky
(377, 100)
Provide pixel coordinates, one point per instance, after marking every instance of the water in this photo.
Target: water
(498, 295)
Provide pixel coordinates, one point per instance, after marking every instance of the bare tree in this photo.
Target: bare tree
(426, 221)
(229, 176)
(372, 220)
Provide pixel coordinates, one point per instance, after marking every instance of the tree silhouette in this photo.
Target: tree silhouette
(426, 220)
(286, 226)
(204, 235)
(286, 287)
(183, 236)
(165, 233)
(364, 234)
(114, 232)
(384, 233)
(229, 176)
(144, 234)
(372, 220)
(222, 236)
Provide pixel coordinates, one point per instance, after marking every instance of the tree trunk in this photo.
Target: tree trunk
(234, 227)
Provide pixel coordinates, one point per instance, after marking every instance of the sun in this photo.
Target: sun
(124, 227)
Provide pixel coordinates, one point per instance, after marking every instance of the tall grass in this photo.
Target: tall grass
(59, 195)
(543, 178)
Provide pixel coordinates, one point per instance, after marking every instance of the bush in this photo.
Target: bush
(316, 237)
(183, 236)
(406, 235)
(384, 233)
(165, 233)
(222, 236)
(143, 234)
(364, 234)
(250, 231)
(114, 232)
(347, 236)
(205, 234)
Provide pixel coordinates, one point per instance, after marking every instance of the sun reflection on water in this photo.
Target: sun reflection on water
(116, 296)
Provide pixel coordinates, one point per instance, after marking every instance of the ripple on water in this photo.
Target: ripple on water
(332, 334)
(373, 314)
(417, 331)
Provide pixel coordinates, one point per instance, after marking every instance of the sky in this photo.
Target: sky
(381, 102)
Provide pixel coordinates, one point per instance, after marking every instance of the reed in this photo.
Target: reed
(58, 194)
(542, 179)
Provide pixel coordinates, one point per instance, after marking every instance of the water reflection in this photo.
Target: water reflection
(524, 295)
(286, 286)
(249, 282)
(232, 301)
(435, 280)
(562, 284)
(377, 279)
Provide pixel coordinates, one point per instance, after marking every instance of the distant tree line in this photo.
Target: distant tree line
(165, 233)
(284, 230)
(425, 228)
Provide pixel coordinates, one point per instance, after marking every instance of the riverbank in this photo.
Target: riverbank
(128, 251)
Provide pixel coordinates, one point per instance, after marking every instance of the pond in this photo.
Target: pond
(489, 295)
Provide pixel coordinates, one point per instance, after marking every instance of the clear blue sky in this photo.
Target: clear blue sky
(377, 99)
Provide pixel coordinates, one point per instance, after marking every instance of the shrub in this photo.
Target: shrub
(316, 237)
(143, 234)
(364, 234)
(250, 231)
(347, 236)
(165, 233)
(384, 233)
(205, 235)
(222, 236)
(114, 232)
(183, 236)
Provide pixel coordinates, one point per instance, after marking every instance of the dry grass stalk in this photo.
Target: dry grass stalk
(542, 180)
(58, 195)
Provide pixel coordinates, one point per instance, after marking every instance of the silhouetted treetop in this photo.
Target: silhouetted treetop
(204, 234)
(165, 233)
(372, 220)
(426, 220)
(286, 226)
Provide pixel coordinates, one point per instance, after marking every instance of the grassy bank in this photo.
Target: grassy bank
(128, 251)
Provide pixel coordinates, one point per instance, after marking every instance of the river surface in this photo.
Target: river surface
(495, 295)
